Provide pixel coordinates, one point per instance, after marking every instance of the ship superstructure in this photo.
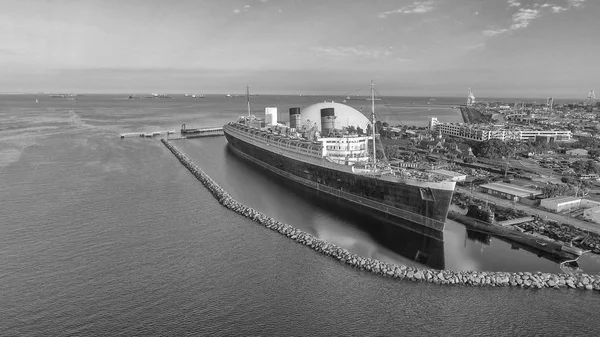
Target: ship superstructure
(342, 165)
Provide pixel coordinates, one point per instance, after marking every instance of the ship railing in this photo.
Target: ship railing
(278, 147)
(315, 156)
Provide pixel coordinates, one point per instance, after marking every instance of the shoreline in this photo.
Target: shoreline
(467, 278)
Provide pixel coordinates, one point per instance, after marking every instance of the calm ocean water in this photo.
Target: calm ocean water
(103, 236)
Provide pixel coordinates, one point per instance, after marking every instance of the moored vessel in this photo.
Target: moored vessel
(338, 163)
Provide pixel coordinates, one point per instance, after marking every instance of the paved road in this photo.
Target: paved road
(533, 210)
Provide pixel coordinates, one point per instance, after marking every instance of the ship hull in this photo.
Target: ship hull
(403, 204)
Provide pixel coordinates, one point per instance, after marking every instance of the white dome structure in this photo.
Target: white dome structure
(345, 115)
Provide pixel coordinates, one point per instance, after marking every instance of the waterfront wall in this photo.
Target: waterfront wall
(468, 278)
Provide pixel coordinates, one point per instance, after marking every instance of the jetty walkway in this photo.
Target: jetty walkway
(201, 132)
(450, 277)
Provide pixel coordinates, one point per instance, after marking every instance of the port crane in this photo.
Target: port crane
(549, 103)
(470, 98)
(590, 101)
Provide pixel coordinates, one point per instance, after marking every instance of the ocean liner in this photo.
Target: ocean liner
(340, 165)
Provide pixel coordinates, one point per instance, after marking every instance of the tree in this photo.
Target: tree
(568, 180)
(594, 153)
(359, 130)
(493, 148)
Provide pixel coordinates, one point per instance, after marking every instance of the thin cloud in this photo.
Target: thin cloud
(558, 9)
(479, 46)
(494, 32)
(523, 18)
(341, 52)
(575, 3)
(417, 7)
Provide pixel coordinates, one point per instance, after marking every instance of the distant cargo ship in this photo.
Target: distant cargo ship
(68, 97)
(159, 96)
(341, 166)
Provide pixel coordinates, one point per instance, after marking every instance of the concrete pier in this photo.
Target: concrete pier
(201, 132)
(466, 278)
(146, 134)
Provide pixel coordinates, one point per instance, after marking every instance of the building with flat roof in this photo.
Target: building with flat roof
(454, 176)
(592, 214)
(577, 152)
(561, 203)
(482, 132)
(508, 191)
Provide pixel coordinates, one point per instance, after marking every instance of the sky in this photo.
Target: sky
(499, 48)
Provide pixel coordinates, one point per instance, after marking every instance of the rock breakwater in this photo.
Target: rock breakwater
(468, 278)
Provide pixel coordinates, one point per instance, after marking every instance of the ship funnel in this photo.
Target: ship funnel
(327, 121)
(295, 118)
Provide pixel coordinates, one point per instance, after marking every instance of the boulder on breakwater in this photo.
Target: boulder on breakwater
(469, 278)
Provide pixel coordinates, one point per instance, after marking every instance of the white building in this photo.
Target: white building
(561, 203)
(433, 121)
(481, 132)
(509, 191)
(577, 152)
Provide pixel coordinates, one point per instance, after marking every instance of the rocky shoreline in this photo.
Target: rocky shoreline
(467, 278)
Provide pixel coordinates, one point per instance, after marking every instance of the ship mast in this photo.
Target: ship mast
(248, 98)
(373, 121)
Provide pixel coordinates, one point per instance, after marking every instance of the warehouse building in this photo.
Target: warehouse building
(511, 192)
(561, 203)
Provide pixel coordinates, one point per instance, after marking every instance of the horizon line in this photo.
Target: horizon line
(238, 95)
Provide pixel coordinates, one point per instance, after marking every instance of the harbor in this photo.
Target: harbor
(507, 230)
(134, 200)
(416, 167)
(443, 277)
